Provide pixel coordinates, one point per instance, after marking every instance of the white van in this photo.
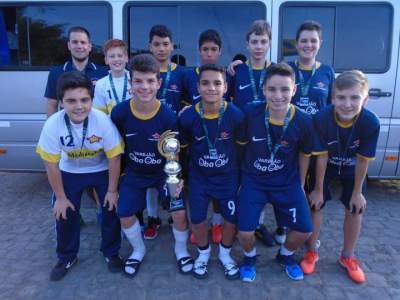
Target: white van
(357, 34)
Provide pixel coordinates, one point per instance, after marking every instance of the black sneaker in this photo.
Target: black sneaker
(61, 269)
(264, 236)
(115, 263)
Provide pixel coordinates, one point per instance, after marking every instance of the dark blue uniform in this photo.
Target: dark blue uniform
(143, 163)
(343, 143)
(277, 180)
(212, 177)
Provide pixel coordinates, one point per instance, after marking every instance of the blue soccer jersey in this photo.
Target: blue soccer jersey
(191, 78)
(313, 92)
(224, 137)
(141, 136)
(171, 90)
(343, 142)
(247, 85)
(280, 171)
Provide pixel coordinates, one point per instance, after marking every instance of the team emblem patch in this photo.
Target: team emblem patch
(155, 137)
(173, 87)
(224, 135)
(284, 143)
(321, 85)
(94, 139)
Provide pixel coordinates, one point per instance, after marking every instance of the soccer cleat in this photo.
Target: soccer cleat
(353, 268)
(280, 235)
(151, 231)
(248, 269)
(309, 261)
(264, 236)
(115, 263)
(216, 233)
(292, 268)
(61, 269)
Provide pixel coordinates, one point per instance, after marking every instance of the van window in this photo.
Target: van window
(352, 33)
(36, 34)
(187, 20)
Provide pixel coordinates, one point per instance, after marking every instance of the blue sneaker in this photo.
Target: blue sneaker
(248, 269)
(292, 268)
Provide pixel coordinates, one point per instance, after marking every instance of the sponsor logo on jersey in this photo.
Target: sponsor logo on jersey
(94, 139)
(254, 139)
(155, 137)
(196, 97)
(242, 87)
(224, 136)
(199, 138)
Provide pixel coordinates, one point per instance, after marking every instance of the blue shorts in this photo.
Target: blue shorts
(132, 192)
(201, 191)
(290, 206)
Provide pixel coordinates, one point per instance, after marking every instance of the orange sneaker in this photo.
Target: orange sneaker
(216, 233)
(308, 262)
(193, 239)
(353, 268)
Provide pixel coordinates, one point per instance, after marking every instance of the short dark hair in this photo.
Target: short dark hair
(211, 67)
(259, 27)
(78, 29)
(73, 80)
(309, 25)
(145, 63)
(210, 35)
(281, 69)
(161, 31)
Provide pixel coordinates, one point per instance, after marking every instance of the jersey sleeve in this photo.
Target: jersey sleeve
(49, 147)
(369, 139)
(117, 116)
(307, 140)
(100, 97)
(230, 80)
(112, 142)
(240, 128)
(332, 79)
(319, 136)
(51, 85)
(184, 130)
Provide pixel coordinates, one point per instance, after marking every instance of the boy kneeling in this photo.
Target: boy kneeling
(81, 149)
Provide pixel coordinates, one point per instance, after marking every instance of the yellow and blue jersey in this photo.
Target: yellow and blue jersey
(282, 170)
(141, 135)
(344, 142)
(101, 141)
(320, 87)
(226, 137)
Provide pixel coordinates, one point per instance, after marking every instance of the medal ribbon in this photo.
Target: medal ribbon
(113, 88)
(211, 146)
(253, 82)
(165, 84)
(305, 86)
(84, 129)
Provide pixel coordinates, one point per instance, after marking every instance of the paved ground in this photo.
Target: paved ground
(27, 253)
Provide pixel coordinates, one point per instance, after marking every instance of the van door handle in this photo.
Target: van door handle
(377, 93)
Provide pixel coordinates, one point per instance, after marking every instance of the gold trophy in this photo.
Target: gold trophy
(169, 146)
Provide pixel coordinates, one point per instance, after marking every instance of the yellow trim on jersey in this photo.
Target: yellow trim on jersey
(267, 64)
(174, 65)
(307, 154)
(210, 116)
(318, 153)
(344, 125)
(104, 109)
(280, 123)
(242, 143)
(146, 116)
(185, 103)
(110, 107)
(197, 71)
(117, 150)
(365, 157)
(84, 153)
(184, 145)
(52, 158)
(306, 68)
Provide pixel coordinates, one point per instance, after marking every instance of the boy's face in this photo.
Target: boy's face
(77, 104)
(79, 46)
(258, 46)
(209, 53)
(145, 86)
(211, 86)
(161, 48)
(116, 58)
(278, 91)
(308, 44)
(349, 102)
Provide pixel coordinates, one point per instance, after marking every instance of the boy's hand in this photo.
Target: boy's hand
(111, 199)
(316, 199)
(357, 204)
(60, 208)
(232, 66)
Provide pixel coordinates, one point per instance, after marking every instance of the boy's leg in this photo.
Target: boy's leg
(68, 230)
(110, 226)
(216, 222)
(153, 221)
(262, 232)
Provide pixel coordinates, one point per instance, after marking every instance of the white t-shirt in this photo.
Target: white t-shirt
(102, 141)
(104, 99)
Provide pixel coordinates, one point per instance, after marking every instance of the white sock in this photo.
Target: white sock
(262, 217)
(224, 255)
(217, 219)
(181, 238)
(134, 237)
(204, 255)
(152, 202)
(251, 253)
(285, 251)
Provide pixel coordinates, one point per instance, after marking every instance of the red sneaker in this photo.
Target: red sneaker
(216, 233)
(151, 231)
(308, 262)
(353, 268)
